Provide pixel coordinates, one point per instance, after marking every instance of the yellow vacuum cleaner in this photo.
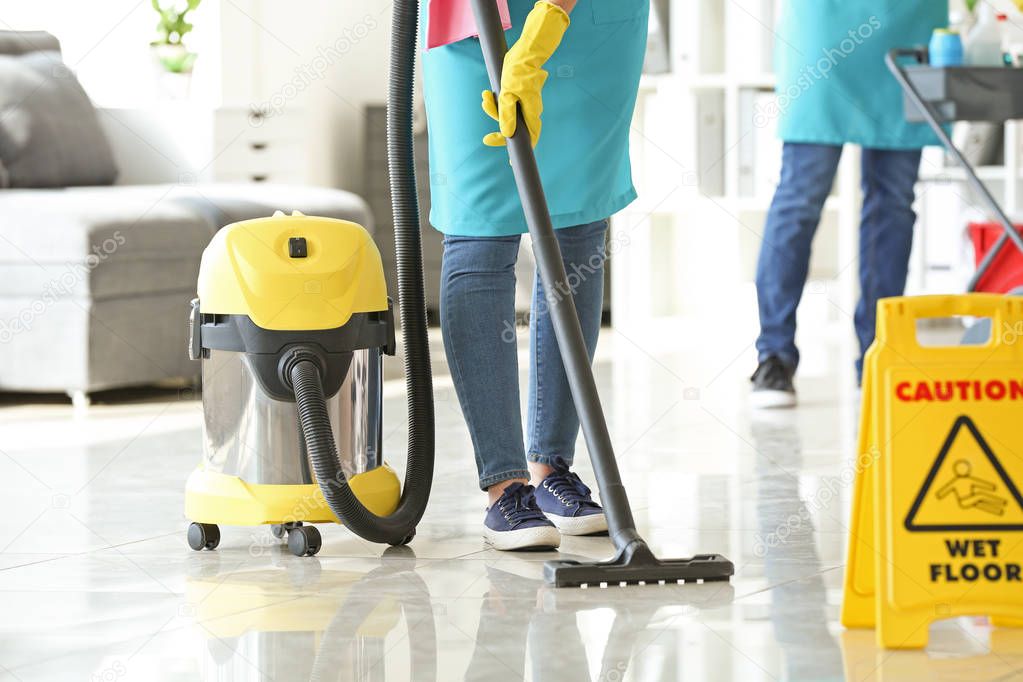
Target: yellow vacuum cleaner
(291, 326)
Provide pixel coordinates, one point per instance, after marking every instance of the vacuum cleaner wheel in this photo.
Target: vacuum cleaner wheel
(304, 540)
(203, 536)
(280, 530)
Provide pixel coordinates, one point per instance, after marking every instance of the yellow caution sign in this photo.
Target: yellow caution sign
(937, 519)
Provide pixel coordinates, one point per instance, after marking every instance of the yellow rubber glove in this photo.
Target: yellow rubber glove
(522, 79)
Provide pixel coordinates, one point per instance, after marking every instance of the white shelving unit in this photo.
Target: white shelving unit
(706, 159)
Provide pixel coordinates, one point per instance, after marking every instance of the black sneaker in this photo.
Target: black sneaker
(772, 385)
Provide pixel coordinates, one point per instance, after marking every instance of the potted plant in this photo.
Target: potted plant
(169, 48)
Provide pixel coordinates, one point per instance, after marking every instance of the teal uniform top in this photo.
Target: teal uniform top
(583, 153)
(833, 84)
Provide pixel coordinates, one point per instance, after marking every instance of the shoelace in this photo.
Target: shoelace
(569, 488)
(519, 505)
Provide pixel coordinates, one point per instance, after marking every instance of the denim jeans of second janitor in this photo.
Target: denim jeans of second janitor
(480, 334)
(886, 237)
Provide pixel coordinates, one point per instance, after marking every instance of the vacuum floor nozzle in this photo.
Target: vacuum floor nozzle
(638, 566)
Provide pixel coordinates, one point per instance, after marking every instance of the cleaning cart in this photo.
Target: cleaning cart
(942, 95)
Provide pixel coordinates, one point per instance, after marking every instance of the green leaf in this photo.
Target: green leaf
(172, 26)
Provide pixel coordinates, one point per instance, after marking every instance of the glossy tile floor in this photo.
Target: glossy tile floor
(97, 582)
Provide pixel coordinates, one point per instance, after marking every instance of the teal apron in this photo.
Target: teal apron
(583, 153)
(833, 85)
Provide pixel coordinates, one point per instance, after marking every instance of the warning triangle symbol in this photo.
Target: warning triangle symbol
(967, 488)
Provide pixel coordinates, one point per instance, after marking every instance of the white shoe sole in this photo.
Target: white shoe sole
(771, 400)
(538, 537)
(579, 525)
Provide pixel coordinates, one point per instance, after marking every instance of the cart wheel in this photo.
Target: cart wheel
(404, 541)
(203, 536)
(280, 530)
(304, 540)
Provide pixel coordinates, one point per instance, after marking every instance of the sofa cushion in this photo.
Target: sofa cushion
(49, 133)
(98, 242)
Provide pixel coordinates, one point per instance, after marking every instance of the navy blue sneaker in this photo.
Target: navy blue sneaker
(566, 501)
(516, 522)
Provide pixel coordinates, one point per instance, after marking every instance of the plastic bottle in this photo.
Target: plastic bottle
(984, 43)
(1003, 31)
(946, 48)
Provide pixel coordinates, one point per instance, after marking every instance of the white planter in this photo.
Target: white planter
(173, 85)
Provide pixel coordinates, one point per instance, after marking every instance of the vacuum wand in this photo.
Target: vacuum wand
(561, 303)
(634, 561)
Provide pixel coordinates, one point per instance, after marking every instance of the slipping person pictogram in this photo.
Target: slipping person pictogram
(967, 488)
(970, 491)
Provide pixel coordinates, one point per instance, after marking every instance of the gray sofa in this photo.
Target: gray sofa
(95, 281)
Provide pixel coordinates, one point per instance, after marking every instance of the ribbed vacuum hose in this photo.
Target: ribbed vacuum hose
(408, 243)
(399, 527)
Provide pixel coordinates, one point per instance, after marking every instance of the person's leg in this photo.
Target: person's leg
(553, 425)
(477, 304)
(807, 174)
(886, 233)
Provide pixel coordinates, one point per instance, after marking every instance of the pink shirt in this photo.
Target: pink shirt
(451, 20)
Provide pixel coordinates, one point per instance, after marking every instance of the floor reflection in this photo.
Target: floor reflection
(527, 627)
(963, 649)
(787, 545)
(352, 626)
(254, 625)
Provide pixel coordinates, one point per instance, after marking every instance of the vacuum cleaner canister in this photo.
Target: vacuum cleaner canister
(289, 304)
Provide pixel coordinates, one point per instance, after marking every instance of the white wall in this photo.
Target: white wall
(107, 45)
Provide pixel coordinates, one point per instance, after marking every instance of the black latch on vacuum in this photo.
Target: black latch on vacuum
(297, 247)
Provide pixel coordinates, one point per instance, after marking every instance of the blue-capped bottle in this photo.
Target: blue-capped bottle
(946, 48)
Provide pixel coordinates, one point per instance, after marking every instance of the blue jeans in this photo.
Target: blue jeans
(886, 237)
(480, 333)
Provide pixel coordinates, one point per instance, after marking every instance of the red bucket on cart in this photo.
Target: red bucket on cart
(1006, 271)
